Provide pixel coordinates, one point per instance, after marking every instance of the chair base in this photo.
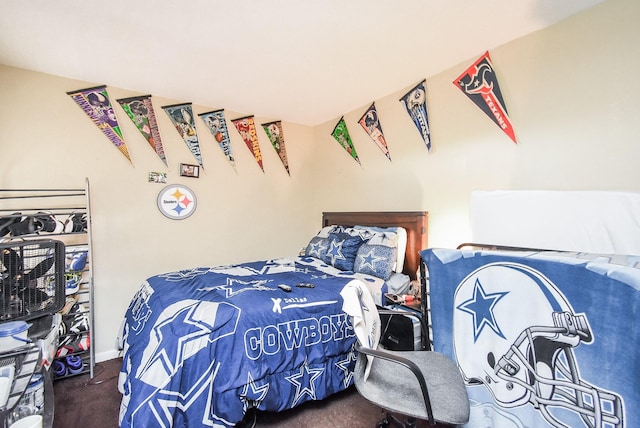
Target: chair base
(389, 419)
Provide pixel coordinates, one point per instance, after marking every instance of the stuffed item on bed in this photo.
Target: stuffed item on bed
(201, 346)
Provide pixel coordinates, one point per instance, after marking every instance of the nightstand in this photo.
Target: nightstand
(402, 325)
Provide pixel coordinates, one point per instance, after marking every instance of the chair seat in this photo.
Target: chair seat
(401, 393)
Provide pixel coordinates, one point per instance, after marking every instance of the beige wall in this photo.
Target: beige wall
(570, 90)
(47, 141)
(572, 97)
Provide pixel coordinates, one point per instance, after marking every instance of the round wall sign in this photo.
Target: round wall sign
(177, 201)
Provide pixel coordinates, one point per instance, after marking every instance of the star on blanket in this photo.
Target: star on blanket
(304, 270)
(311, 273)
(194, 329)
(165, 402)
(304, 382)
(347, 366)
(234, 287)
(480, 307)
(252, 394)
(184, 274)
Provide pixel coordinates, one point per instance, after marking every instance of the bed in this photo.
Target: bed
(202, 346)
(543, 338)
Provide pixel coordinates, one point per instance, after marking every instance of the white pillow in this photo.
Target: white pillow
(402, 247)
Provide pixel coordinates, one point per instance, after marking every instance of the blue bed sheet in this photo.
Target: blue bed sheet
(201, 346)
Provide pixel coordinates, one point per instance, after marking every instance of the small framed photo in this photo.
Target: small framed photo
(188, 170)
(157, 177)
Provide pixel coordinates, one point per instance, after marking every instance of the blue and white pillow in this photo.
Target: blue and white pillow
(401, 243)
(319, 244)
(317, 247)
(369, 250)
(344, 244)
(378, 255)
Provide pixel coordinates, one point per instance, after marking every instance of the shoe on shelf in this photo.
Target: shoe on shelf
(73, 344)
(59, 368)
(7, 221)
(73, 280)
(85, 342)
(78, 261)
(25, 227)
(47, 222)
(70, 301)
(76, 321)
(76, 222)
(74, 364)
(67, 365)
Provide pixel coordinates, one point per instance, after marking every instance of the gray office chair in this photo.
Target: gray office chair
(418, 384)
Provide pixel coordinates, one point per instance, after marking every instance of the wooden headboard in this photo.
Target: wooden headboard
(414, 222)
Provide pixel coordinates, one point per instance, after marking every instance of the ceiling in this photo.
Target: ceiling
(300, 61)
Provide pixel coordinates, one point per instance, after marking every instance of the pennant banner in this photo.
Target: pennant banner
(371, 124)
(341, 134)
(247, 129)
(480, 84)
(96, 104)
(181, 116)
(215, 122)
(276, 136)
(415, 101)
(140, 111)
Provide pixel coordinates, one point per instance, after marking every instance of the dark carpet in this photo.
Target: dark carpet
(83, 402)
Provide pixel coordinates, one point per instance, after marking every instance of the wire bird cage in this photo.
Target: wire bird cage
(32, 282)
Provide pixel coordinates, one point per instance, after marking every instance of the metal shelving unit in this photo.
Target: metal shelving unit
(61, 215)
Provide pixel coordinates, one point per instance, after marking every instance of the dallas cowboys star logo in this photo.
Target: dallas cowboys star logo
(304, 382)
(317, 248)
(253, 394)
(335, 252)
(184, 274)
(481, 307)
(312, 273)
(347, 366)
(166, 402)
(303, 270)
(368, 259)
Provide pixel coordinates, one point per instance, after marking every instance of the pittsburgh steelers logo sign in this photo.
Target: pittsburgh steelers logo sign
(177, 202)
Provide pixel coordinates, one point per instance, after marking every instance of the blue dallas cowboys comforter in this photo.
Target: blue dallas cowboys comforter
(201, 346)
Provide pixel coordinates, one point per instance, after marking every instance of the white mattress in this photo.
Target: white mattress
(604, 222)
